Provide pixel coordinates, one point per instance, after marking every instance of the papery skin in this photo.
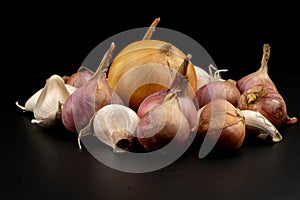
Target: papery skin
(161, 124)
(218, 90)
(184, 93)
(79, 78)
(259, 93)
(47, 110)
(31, 102)
(114, 125)
(268, 102)
(151, 101)
(87, 99)
(259, 77)
(228, 134)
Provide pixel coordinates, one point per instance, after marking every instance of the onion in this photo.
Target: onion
(259, 93)
(80, 77)
(162, 124)
(225, 89)
(222, 124)
(143, 68)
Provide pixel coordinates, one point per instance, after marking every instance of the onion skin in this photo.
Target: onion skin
(268, 102)
(142, 52)
(218, 90)
(160, 125)
(152, 101)
(79, 78)
(229, 135)
(259, 77)
(87, 99)
(181, 87)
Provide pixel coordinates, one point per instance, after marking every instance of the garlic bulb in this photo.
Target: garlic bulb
(143, 68)
(114, 125)
(47, 109)
(31, 102)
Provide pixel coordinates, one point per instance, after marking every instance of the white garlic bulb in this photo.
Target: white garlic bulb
(115, 125)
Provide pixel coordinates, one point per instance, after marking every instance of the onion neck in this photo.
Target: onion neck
(104, 64)
(265, 58)
(181, 81)
(151, 29)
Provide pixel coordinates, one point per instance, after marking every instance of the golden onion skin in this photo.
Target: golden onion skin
(157, 57)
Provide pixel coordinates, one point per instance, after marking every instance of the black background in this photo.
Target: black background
(40, 40)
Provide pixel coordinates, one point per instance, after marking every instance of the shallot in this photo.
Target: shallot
(163, 124)
(222, 125)
(259, 93)
(87, 99)
(224, 89)
(80, 77)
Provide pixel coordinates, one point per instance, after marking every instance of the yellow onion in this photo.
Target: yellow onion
(144, 67)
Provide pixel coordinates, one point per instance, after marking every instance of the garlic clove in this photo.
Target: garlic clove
(31, 102)
(114, 125)
(47, 109)
(260, 126)
(70, 88)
